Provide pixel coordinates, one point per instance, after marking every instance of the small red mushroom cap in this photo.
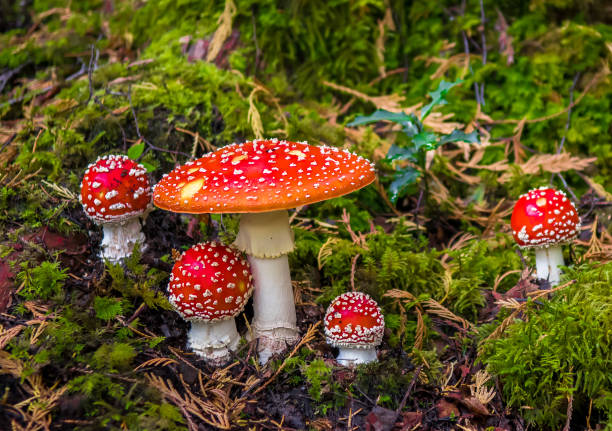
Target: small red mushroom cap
(262, 176)
(210, 282)
(114, 189)
(544, 217)
(354, 319)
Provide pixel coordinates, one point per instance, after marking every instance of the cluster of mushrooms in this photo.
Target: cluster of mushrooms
(211, 282)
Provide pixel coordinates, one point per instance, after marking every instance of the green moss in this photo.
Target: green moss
(560, 349)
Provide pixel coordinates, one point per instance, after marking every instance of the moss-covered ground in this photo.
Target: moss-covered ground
(473, 341)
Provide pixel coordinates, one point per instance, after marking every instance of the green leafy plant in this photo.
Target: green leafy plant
(43, 281)
(418, 142)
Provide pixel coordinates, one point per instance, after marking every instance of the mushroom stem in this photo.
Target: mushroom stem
(351, 356)
(214, 340)
(120, 238)
(266, 238)
(273, 305)
(548, 261)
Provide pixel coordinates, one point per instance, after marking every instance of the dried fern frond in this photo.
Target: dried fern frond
(223, 31)
(478, 389)
(156, 362)
(434, 307)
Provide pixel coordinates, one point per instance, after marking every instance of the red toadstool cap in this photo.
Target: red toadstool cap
(114, 189)
(210, 282)
(354, 319)
(262, 176)
(544, 217)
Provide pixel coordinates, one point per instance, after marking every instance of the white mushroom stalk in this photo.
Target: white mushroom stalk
(549, 261)
(120, 239)
(213, 341)
(351, 356)
(266, 238)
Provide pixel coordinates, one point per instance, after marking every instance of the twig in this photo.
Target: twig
(353, 268)
(570, 408)
(6, 76)
(36, 140)
(569, 112)
(310, 333)
(402, 404)
(145, 140)
(8, 142)
(567, 187)
(484, 48)
(257, 50)
(93, 64)
(466, 49)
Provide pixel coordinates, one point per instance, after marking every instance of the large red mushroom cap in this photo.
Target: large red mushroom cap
(262, 176)
(210, 282)
(114, 189)
(544, 217)
(354, 319)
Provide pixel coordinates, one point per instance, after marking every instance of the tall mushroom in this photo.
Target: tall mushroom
(545, 219)
(209, 285)
(261, 180)
(115, 193)
(354, 324)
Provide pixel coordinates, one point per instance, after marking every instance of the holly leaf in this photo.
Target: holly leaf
(458, 135)
(438, 97)
(412, 128)
(407, 120)
(403, 179)
(136, 150)
(425, 141)
(401, 153)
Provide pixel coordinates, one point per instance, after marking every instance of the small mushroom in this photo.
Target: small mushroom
(210, 284)
(544, 219)
(115, 193)
(262, 179)
(354, 324)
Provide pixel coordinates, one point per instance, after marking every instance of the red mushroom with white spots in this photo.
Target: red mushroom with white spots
(545, 219)
(261, 180)
(209, 285)
(354, 324)
(115, 193)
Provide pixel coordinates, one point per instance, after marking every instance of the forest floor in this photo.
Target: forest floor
(473, 340)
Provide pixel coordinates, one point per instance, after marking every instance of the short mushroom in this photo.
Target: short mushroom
(545, 219)
(115, 193)
(354, 324)
(210, 284)
(262, 179)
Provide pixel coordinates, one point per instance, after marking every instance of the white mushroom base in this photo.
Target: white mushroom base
(274, 323)
(548, 260)
(120, 238)
(213, 340)
(351, 356)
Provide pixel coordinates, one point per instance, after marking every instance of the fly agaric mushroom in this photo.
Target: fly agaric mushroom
(544, 219)
(262, 179)
(354, 324)
(210, 284)
(115, 193)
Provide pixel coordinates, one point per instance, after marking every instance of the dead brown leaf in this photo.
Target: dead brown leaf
(553, 163)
